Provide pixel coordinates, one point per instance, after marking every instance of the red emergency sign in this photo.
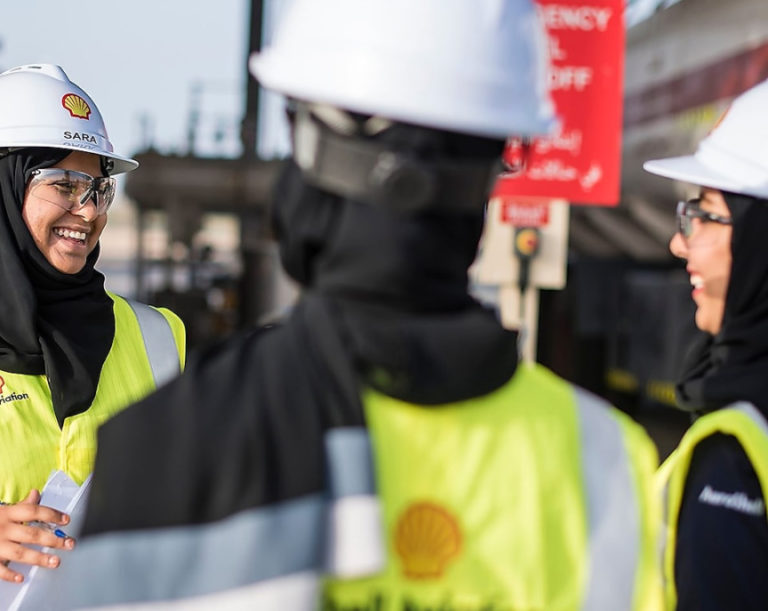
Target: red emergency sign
(581, 161)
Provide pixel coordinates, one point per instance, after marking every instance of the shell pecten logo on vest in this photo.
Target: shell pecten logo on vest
(427, 538)
(11, 397)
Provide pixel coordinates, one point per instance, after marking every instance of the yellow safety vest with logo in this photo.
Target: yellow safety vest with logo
(537, 496)
(749, 427)
(148, 349)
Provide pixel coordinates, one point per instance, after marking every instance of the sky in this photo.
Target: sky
(142, 58)
(637, 10)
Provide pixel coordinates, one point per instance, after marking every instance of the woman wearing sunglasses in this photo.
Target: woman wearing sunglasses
(71, 354)
(716, 544)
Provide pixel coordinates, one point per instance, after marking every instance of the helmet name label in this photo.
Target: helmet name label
(80, 136)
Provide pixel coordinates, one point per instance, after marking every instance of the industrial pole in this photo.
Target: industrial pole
(250, 123)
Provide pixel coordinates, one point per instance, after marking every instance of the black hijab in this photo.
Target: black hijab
(396, 288)
(52, 323)
(733, 365)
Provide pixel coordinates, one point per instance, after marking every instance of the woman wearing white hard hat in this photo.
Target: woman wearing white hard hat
(71, 354)
(716, 553)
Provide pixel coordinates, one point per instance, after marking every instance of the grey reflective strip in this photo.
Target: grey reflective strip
(753, 413)
(662, 547)
(350, 462)
(356, 544)
(612, 508)
(159, 342)
(188, 561)
(298, 592)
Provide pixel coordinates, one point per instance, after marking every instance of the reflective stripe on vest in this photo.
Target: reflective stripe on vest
(612, 508)
(159, 342)
(355, 545)
(752, 412)
(261, 558)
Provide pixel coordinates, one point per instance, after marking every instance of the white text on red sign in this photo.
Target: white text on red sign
(583, 18)
(524, 215)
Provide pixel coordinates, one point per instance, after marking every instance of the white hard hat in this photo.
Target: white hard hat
(734, 156)
(41, 107)
(471, 66)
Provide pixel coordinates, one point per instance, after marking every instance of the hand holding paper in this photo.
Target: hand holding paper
(61, 507)
(18, 534)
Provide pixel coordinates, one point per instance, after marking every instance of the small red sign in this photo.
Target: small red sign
(581, 161)
(524, 214)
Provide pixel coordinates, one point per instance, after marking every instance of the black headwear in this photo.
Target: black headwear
(396, 287)
(732, 365)
(415, 261)
(52, 323)
(350, 249)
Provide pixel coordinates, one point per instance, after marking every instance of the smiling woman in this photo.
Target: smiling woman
(717, 543)
(71, 354)
(65, 230)
(704, 241)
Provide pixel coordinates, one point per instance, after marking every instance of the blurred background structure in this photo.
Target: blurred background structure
(627, 305)
(193, 231)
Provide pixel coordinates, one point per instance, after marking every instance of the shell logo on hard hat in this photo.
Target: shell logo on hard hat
(76, 106)
(427, 538)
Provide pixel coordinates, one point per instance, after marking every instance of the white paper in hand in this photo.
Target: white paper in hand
(40, 588)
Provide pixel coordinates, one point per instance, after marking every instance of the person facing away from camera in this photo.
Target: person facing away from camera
(383, 447)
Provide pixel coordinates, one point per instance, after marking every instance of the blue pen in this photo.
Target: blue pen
(50, 528)
(45, 526)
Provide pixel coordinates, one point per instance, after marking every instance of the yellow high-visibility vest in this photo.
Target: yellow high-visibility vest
(536, 497)
(148, 349)
(749, 427)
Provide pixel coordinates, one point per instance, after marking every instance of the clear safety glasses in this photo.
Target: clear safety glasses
(687, 211)
(72, 190)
